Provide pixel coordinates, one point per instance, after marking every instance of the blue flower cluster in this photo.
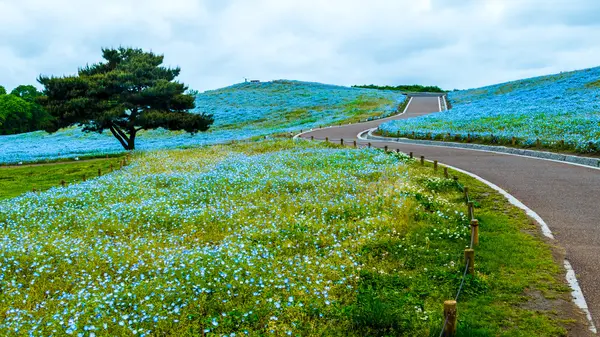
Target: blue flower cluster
(556, 109)
(241, 111)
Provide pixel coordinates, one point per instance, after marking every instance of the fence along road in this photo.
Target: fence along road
(565, 196)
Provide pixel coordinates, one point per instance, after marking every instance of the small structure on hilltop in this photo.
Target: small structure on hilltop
(254, 81)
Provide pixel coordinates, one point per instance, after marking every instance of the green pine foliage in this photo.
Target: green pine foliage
(127, 93)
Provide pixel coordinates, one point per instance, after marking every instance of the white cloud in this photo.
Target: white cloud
(451, 43)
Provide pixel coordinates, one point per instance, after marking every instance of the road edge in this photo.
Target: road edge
(576, 292)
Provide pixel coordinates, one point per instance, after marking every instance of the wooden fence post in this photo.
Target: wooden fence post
(342, 142)
(470, 206)
(326, 139)
(466, 189)
(475, 231)
(369, 145)
(422, 160)
(312, 137)
(99, 172)
(62, 183)
(84, 178)
(470, 259)
(446, 172)
(435, 165)
(385, 148)
(450, 314)
(354, 144)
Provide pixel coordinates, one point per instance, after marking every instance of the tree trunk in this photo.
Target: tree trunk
(128, 142)
(131, 140)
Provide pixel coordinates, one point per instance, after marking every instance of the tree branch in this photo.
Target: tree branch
(120, 132)
(118, 136)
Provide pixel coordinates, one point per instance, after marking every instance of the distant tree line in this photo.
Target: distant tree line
(407, 88)
(20, 111)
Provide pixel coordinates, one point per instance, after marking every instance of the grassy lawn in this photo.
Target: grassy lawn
(16, 180)
(272, 238)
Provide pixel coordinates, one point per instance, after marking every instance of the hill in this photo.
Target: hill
(562, 111)
(241, 111)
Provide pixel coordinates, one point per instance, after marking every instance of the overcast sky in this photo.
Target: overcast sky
(450, 43)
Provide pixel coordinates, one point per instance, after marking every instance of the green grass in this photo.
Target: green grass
(593, 84)
(16, 180)
(365, 108)
(272, 238)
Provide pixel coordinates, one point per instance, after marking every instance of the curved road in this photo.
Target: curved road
(565, 196)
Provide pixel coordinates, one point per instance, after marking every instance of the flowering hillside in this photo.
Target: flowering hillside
(241, 111)
(270, 238)
(562, 111)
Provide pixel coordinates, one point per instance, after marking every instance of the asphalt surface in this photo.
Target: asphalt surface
(565, 196)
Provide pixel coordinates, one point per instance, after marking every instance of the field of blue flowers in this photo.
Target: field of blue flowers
(277, 238)
(562, 111)
(217, 240)
(241, 111)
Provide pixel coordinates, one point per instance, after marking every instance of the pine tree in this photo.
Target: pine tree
(129, 92)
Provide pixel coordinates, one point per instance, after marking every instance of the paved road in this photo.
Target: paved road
(565, 196)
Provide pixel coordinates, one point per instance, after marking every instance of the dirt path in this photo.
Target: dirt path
(565, 196)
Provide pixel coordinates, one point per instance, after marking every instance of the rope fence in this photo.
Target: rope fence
(450, 324)
(122, 163)
(449, 328)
